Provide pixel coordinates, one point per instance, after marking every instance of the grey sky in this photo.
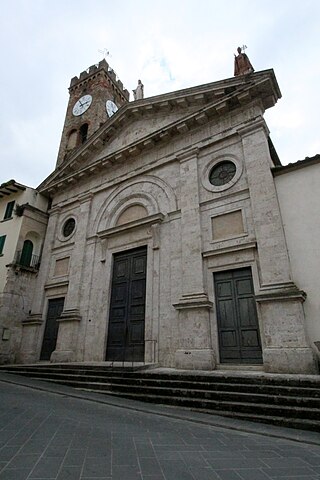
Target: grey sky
(169, 45)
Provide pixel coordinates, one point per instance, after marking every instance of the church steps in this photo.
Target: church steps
(191, 392)
(304, 417)
(287, 400)
(142, 374)
(293, 394)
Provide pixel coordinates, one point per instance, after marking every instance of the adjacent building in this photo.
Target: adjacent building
(23, 221)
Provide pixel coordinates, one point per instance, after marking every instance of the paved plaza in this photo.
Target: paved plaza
(55, 432)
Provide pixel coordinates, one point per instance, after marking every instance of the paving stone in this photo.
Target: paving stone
(6, 453)
(15, 474)
(96, 467)
(228, 475)
(47, 467)
(174, 469)
(153, 477)
(288, 472)
(150, 466)
(204, 473)
(235, 463)
(252, 475)
(56, 451)
(69, 473)
(125, 472)
(284, 462)
(74, 458)
(145, 450)
(23, 461)
(77, 439)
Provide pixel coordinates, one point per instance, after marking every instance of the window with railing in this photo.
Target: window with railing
(26, 259)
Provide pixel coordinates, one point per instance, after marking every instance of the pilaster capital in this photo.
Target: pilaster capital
(85, 197)
(55, 210)
(187, 155)
(257, 124)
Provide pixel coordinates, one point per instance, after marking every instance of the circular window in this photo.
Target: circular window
(68, 227)
(222, 173)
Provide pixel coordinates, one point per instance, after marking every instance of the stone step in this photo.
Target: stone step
(234, 408)
(220, 391)
(285, 400)
(311, 381)
(184, 398)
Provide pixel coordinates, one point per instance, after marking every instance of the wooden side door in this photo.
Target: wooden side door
(127, 307)
(239, 336)
(55, 307)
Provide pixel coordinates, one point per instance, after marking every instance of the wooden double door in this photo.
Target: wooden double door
(239, 337)
(55, 307)
(127, 306)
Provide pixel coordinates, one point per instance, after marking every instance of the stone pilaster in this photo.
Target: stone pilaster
(195, 349)
(70, 317)
(33, 325)
(51, 235)
(286, 348)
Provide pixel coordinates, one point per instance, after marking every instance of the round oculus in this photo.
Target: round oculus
(82, 105)
(68, 227)
(222, 173)
(111, 108)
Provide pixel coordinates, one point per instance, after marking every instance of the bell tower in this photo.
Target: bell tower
(94, 97)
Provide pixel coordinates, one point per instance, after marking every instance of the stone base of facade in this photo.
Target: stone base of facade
(27, 357)
(195, 359)
(63, 356)
(289, 360)
(7, 358)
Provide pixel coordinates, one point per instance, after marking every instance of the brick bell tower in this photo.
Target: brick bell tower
(94, 97)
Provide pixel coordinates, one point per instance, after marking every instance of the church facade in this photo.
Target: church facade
(165, 242)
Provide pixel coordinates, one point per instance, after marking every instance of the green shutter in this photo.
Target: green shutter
(9, 210)
(26, 254)
(2, 240)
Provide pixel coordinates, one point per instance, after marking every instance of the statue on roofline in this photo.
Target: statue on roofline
(138, 92)
(242, 65)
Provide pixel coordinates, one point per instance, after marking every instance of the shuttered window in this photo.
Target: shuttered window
(9, 210)
(2, 240)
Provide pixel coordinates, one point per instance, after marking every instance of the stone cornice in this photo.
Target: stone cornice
(146, 221)
(230, 249)
(56, 284)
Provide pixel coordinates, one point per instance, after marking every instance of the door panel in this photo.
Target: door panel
(55, 307)
(239, 338)
(127, 308)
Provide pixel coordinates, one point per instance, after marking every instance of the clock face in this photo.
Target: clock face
(111, 107)
(82, 105)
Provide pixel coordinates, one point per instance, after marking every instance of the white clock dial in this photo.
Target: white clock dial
(111, 107)
(82, 105)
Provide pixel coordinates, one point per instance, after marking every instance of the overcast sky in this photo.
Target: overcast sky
(169, 44)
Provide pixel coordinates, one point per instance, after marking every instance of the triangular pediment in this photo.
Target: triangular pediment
(144, 123)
